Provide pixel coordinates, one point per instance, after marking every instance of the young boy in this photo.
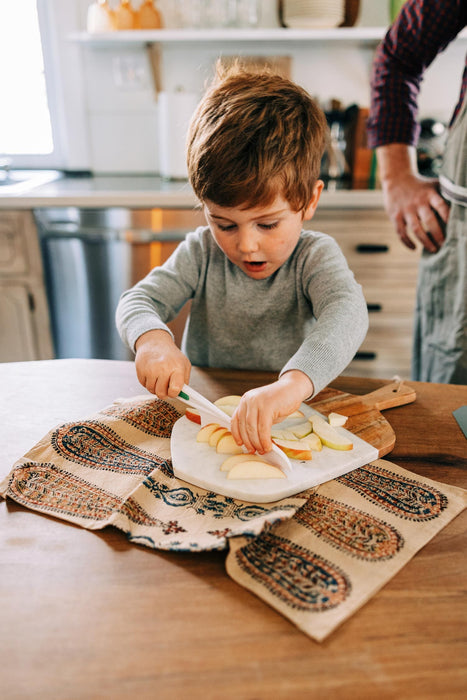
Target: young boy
(265, 294)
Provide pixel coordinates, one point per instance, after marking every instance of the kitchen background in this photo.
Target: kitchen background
(108, 115)
(119, 102)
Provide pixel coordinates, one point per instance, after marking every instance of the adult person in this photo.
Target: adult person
(428, 209)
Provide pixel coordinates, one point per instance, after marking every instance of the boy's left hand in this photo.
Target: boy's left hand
(260, 408)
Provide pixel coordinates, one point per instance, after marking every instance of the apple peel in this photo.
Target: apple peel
(295, 449)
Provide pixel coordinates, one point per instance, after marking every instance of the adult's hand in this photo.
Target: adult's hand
(413, 202)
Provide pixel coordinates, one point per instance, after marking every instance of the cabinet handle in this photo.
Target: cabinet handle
(372, 248)
(365, 355)
(372, 308)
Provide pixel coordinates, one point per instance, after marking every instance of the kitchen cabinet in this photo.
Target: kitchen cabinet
(387, 271)
(24, 317)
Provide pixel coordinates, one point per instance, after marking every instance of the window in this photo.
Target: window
(27, 131)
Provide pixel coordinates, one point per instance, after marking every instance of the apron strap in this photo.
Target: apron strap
(453, 193)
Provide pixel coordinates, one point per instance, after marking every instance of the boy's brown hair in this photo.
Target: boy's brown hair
(253, 136)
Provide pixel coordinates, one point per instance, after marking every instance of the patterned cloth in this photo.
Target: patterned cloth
(315, 557)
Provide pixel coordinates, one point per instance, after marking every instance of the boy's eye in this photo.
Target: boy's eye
(268, 227)
(226, 227)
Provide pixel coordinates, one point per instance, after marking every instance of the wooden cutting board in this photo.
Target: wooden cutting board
(372, 436)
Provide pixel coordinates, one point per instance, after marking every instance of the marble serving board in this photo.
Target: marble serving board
(199, 464)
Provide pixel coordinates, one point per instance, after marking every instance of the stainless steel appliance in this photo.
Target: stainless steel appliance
(90, 257)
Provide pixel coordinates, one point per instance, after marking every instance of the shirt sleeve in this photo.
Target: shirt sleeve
(340, 312)
(421, 31)
(158, 298)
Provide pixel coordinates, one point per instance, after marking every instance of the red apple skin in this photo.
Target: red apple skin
(193, 415)
(298, 451)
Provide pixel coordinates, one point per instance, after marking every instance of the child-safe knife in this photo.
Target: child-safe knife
(210, 413)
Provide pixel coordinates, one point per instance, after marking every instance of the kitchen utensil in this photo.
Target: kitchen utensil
(305, 14)
(460, 414)
(210, 413)
(372, 437)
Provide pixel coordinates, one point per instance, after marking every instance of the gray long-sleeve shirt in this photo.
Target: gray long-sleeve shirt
(309, 315)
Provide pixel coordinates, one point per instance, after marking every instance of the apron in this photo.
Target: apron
(440, 335)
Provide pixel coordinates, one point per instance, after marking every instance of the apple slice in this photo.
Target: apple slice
(295, 449)
(296, 414)
(216, 435)
(329, 435)
(337, 420)
(229, 410)
(227, 445)
(282, 434)
(255, 469)
(231, 461)
(314, 442)
(193, 415)
(228, 401)
(302, 429)
(206, 431)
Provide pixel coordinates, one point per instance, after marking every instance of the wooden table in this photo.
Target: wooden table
(88, 615)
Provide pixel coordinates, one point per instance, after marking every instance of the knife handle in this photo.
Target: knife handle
(389, 396)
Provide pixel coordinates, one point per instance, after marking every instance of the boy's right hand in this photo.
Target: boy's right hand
(160, 366)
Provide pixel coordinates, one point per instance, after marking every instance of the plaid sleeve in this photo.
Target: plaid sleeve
(421, 31)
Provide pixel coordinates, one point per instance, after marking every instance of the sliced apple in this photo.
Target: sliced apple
(337, 420)
(295, 449)
(193, 415)
(314, 442)
(255, 469)
(229, 410)
(282, 434)
(216, 435)
(302, 429)
(231, 461)
(329, 435)
(228, 401)
(206, 431)
(296, 414)
(227, 445)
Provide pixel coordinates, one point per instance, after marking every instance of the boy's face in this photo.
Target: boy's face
(261, 239)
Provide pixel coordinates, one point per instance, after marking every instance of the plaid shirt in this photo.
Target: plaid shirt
(421, 31)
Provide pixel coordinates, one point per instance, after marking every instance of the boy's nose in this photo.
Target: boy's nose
(247, 240)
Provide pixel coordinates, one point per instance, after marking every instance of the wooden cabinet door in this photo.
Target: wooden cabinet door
(17, 337)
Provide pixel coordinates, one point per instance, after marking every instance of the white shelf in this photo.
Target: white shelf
(359, 35)
(369, 35)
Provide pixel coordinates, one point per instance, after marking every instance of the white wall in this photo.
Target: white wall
(119, 104)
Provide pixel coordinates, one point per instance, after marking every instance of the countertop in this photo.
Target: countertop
(145, 191)
(89, 615)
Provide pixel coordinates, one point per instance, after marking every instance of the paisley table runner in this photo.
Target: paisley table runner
(315, 557)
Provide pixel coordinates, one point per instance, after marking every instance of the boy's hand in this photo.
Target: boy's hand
(260, 408)
(160, 366)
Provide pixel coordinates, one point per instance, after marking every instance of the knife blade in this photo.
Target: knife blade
(460, 414)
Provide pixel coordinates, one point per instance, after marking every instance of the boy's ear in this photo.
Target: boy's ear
(313, 203)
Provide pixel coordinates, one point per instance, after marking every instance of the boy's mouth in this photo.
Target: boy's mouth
(255, 265)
